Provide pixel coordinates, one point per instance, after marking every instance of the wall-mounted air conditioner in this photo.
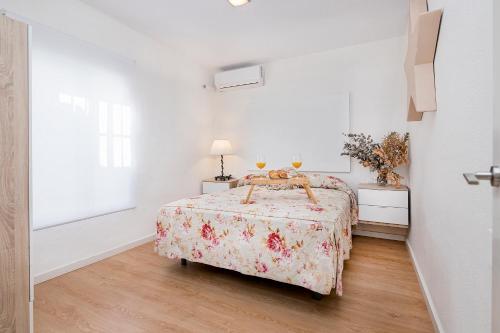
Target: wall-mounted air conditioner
(239, 78)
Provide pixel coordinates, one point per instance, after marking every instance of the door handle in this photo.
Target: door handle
(493, 176)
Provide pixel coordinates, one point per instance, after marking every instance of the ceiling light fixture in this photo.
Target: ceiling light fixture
(237, 3)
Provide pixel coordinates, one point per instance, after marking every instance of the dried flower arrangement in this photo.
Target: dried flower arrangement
(380, 157)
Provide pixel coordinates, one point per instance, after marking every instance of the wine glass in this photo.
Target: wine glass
(297, 162)
(261, 161)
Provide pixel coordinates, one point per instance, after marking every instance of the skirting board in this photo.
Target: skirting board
(438, 327)
(32, 323)
(379, 235)
(39, 278)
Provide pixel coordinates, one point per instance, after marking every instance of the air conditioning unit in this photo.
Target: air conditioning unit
(239, 78)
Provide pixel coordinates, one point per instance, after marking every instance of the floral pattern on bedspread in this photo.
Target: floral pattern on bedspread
(280, 236)
(319, 180)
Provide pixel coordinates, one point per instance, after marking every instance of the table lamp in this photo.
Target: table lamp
(221, 147)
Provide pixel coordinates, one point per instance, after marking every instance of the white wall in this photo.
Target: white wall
(450, 233)
(174, 136)
(372, 73)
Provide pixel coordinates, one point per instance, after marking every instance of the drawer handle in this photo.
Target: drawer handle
(377, 206)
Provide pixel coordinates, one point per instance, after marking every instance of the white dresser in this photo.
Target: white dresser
(383, 211)
(212, 185)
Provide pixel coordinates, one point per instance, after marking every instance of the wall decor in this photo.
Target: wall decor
(300, 121)
(423, 32)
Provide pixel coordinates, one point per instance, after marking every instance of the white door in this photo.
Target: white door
(496, 159)
(493, 176)
(496, 217)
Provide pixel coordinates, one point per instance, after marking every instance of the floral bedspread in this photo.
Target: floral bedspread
(279, 236)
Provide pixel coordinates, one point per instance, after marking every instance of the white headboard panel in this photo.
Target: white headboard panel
(310, 125)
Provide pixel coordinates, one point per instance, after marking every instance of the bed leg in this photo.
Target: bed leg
(317, 296)
(184, 262)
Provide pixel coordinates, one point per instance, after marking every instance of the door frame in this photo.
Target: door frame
(14, 199)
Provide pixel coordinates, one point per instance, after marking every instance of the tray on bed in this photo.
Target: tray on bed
(298, 180)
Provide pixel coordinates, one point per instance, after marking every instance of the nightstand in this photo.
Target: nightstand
(383, 211)
(212, 185)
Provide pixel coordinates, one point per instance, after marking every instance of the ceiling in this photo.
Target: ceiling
(218, 35)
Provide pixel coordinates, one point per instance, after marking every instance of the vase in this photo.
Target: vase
(382, 178)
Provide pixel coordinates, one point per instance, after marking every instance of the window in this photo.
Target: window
(121, 136)
(82, 130)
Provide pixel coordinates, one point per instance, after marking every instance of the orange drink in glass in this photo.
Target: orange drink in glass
(261, 162)
(297, 161)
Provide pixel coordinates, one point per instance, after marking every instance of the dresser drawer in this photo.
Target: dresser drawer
(391, 215)
(383, 198)
(212, 187)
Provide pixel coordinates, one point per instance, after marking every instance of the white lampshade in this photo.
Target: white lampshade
(221, 147)
(237, 3)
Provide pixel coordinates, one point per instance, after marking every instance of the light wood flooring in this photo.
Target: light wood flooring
(138, 291)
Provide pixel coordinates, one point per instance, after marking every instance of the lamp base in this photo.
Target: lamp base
(223, 178)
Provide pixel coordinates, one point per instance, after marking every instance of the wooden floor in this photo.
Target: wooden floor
(138, 291)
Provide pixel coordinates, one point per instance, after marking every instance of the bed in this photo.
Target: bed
(279, 235)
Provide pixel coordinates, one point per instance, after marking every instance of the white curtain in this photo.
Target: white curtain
(83, 154)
